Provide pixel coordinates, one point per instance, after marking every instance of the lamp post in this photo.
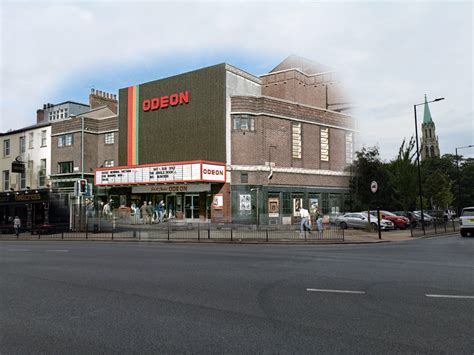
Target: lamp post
(459, 178)
(418, 160)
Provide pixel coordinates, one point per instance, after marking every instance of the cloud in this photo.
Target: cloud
(390, 54)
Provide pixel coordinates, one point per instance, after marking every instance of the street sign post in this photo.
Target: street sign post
(374, 186)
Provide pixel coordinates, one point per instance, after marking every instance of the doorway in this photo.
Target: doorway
(191, 206)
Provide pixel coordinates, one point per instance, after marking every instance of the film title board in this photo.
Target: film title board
(149, 174)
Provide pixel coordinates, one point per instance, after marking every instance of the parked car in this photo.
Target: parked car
(399, 222)
(410, 215)
(360, 220)
(466, 221)
(333, 216)
(426, 217)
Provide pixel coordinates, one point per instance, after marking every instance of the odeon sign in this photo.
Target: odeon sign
(175, 99)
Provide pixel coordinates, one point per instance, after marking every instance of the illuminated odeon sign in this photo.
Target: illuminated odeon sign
(175, 99)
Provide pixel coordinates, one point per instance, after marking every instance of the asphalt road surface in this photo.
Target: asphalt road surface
(93, 297)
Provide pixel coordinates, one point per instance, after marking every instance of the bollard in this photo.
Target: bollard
(231, 234)
(266, 235)
(209, 231)
(434, 224)
(139, 234)
(305, 234)
(199, 232)
(411, 229)
(62, 235)
(168, 230)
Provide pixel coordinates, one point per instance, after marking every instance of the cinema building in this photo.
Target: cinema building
(219, 144)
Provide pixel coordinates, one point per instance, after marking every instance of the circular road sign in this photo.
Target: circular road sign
(374, 186)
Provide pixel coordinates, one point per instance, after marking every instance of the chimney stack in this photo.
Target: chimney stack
(98, 98)
(40, 115)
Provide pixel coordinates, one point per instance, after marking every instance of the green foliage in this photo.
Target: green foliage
(398, 180)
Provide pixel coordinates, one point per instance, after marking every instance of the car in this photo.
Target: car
(426, 217)
(399, 222)
(466, 221)
(410, 215)
(361, 220)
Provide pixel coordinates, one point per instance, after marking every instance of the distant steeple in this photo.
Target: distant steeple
(427, 114)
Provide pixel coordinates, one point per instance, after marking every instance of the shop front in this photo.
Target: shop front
(190, 191)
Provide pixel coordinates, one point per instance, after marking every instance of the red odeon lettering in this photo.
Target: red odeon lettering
(213, 172)
(175, 99)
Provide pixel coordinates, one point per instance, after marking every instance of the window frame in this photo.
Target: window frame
(31, 140)
(44, 138)
(108, 135)
(6, 182)
(61, 164)
(296, 140)
(324, 143)
(6, 148)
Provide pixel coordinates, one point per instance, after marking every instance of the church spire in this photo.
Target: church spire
(427, 114)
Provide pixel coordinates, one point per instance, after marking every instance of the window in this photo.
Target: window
(22, 145)
(23, 181)
(65, 167)
(109, 138)
(349, 147)
(6, 180)
(243, 122)
(31, 139)
(42, 173)
(65, 140)
(324, 144)
(6, 147)
(244, 178)
(109, 163)
(43, 138)
(296, 140)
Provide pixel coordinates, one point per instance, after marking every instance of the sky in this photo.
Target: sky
(388, 54)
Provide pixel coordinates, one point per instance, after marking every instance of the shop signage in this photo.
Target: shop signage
(175, 99)
(141, 189)
(218, 202)
(195, 171)
(273, 207)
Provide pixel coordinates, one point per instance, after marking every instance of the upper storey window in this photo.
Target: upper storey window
(296, 140)
(243, 122)
(324, 144)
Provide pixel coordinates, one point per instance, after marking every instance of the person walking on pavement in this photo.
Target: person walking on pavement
(17, 225)
(161, 211)
(144, 212)
(150, 211)
(305, 220)
(319, 220)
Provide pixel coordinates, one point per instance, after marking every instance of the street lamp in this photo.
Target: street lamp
(418, 159)
(256, 189)
(459, 177)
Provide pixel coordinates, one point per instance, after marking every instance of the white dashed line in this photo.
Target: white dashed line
(334, 291)
(58, 251)
(18, 249)
(450, 296)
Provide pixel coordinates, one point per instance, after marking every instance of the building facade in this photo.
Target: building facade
(222, 145)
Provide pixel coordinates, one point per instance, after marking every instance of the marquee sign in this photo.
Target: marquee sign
(194, 171)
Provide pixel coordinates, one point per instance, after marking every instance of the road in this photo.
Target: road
(98, 297)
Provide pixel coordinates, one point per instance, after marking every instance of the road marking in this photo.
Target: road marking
(449, 296)
(58, 250)
(334, 291)
(18, 249)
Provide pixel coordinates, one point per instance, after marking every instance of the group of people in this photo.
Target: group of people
(148, 213)
(306, 220)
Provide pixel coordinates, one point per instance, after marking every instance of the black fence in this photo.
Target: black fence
(110, 229)
(435, 226)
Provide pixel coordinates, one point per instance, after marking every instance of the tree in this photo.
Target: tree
(402, 176)
(368, 167)
(438, 189)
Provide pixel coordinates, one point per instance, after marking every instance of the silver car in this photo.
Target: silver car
(360, 220)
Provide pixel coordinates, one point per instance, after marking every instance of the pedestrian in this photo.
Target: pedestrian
(319, 220)
(133, 216)
(107, 211)
(170, 210)
(305, 220)
(143, 210)
(161, 211)
(150, 211)
(89, 208)
(17, 225)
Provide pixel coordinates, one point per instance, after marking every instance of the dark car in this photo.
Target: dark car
(410, 215)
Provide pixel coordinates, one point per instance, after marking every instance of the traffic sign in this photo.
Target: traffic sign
(374, 186)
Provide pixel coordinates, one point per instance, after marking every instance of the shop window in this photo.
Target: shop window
(243, 122)
(287, 207)
(244, 178)
(109, 138)
(296, 140)
(65, 140)
(109, 163)
(6, 180)
(65, 167)
(6, 147)
(324, 144)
